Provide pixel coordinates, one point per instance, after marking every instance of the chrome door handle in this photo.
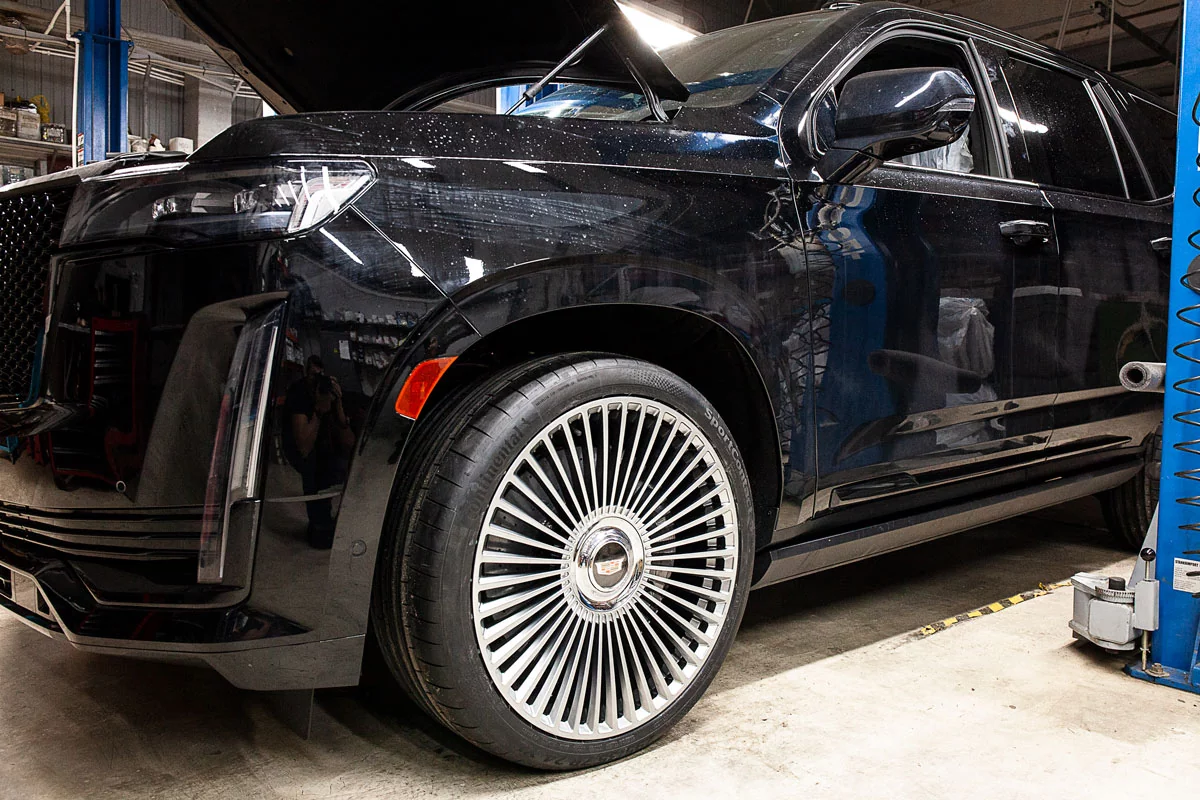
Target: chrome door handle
(1162, 245)
(1026, 231)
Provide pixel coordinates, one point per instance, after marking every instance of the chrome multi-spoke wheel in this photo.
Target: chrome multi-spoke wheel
(569, 561)
(605, 567)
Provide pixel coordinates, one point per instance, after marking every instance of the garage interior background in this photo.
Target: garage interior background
(178, 87)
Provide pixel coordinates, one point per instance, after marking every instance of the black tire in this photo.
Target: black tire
(424, 596)
(1129, 507)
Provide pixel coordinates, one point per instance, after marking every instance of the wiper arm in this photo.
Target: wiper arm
(533, 91)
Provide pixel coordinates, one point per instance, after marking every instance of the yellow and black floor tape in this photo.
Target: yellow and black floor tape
(999, 605)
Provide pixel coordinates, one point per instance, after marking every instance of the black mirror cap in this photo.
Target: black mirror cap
(896, 112)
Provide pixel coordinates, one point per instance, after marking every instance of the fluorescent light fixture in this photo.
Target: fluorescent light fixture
(659, 32)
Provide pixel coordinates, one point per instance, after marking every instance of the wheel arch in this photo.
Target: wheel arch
(699, 343)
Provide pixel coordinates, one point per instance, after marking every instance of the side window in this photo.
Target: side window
(971, 153)
(1068, 143)
(1153, 130)
(1135, 178)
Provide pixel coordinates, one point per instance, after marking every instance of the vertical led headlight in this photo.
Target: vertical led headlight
(234, 477)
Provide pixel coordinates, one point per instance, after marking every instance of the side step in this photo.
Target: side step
(804, 558)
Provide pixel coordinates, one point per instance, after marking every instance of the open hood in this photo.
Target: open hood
(317, 55)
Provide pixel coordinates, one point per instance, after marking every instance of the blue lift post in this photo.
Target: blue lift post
(103, 109)
(1176, 647)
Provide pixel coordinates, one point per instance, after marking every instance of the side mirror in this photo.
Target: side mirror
(890, 113)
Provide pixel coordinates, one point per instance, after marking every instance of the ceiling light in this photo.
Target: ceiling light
(658, 32)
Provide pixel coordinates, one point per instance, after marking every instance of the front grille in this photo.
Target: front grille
(150, 535)
(30, 225)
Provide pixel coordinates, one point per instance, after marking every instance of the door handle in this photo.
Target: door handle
(1026, 231)
(1162, 245)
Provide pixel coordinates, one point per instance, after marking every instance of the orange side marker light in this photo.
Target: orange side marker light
(420, 384)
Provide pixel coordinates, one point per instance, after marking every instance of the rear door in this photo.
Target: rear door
(924, 380)
(1111, 305)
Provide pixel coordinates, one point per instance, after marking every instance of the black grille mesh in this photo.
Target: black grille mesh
(30, 225)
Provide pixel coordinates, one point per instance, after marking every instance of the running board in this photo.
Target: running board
(814, 555)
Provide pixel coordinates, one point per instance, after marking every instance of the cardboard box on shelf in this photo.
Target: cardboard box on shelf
(29, 124)
(8, 122)
(181, 144)
(54, 132)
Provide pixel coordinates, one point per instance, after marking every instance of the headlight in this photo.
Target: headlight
(183, 203)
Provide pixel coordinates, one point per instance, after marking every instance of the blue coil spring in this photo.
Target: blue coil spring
(1191, 384)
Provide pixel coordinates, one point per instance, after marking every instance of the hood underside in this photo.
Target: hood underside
(314, 55)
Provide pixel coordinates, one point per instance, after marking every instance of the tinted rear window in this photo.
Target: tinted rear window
(1153, 130)
(1135, 181)
(1067, 141)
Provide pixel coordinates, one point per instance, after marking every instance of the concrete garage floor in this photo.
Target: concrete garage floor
(827, 693)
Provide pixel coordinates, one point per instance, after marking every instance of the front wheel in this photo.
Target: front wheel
(571, 563)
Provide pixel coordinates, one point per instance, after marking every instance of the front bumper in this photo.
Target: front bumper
(262, 665)
(101, 519)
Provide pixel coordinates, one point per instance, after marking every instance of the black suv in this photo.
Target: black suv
(531, 401)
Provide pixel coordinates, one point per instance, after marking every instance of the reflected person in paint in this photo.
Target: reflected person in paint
(316, 441)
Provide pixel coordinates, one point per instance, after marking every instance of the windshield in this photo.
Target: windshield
(720, 69)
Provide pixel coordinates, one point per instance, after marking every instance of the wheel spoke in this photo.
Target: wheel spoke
(633, 454)
(704, 573)
(608, 501)
(519, 618)
(548, 442)
(566, 431)
(499, 557)
(656, 507)
(591, 456)
(527, 490)
(693, 608)
(511, 601)
(667, 657)
(509, 508)
(626, 496)
(536, 650)
(696, 635)
(549, 484)
(505, 650)
(711, 515)
(652, 528)
(559, 654)
(516, 538)
(505, 581)
(687, 587)
(655, 480)
(700, 537)
(610, 686)
(643, 686)
(650, 476)
(726, 553)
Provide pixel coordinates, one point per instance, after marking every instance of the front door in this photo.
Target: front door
(934, 286)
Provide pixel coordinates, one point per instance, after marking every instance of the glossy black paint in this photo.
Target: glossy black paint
(894, 359)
